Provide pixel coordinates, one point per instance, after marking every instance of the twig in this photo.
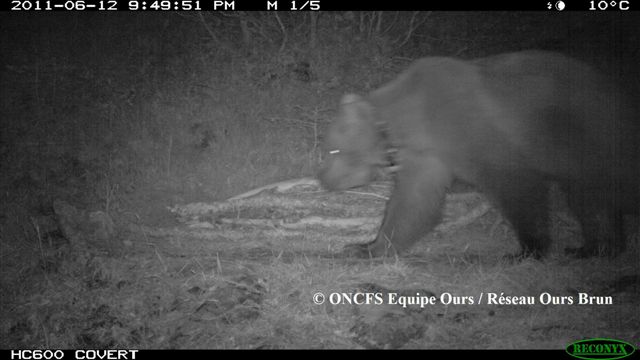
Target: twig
(284, 31)
(412, 27)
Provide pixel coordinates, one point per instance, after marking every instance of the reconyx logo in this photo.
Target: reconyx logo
(600, 349)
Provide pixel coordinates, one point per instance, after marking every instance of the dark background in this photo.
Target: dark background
(155, 98)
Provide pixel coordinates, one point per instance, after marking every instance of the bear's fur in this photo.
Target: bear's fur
(507, 124)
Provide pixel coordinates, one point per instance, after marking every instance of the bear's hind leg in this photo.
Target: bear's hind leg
(601, 221)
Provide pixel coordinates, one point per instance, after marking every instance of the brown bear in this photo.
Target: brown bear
(508, 124)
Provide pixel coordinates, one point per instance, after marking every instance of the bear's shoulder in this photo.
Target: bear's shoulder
(429, 76)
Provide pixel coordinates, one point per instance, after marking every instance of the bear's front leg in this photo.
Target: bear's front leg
(414, 209)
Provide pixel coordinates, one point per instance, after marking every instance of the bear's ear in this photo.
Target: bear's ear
(356, 110)
(350, 98)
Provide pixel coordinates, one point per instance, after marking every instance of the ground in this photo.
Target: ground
(246, 273)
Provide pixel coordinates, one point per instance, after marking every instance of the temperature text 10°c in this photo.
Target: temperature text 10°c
(609, 5)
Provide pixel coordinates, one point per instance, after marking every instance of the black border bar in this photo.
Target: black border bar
(551, 6)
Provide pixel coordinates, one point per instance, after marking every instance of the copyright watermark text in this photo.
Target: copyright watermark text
(446, 298)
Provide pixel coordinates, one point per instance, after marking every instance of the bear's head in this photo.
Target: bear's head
(354, 148)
